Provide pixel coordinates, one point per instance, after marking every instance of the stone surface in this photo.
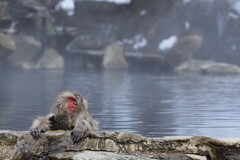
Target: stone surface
(183, 50)
(95, 155)
(208, 67)
(27, 48)
(114, 57)
(220, 68)
(3, 6)
(50, 60)
(113, 145)
(7, 45)
(91, 39)
(7, 142)
(197, 157)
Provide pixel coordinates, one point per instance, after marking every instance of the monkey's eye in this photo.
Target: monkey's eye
(77, 97)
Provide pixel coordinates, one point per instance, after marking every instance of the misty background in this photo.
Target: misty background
(154, 67)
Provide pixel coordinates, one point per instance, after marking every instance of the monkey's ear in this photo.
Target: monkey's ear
(85, 103)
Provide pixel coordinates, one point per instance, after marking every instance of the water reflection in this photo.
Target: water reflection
(150, 104)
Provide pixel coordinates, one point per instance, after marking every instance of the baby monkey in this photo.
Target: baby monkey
(68, 112)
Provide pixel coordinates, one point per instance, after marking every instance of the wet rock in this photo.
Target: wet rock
(220, 68)
(191, 66)
(99, 155)
(7, 45)
(83, 42)
(113, 145)
(20, 9)
(94, 155)
(183, 50)
(92, 37)
(197, 157)
(50, 60)
(114, 57)
(27, 48)
(63, 155)
(3, 6)
(209, 67)
(7, 142)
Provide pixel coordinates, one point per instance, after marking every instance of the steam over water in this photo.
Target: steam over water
(153, 105)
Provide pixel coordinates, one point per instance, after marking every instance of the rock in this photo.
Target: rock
(191, 66)
(220, 68)
(196, 157)
(210, 67)
(92, 37)
(114, 57)
(20, 9)
(27, 48)
(93, 155)
(183, 50)
(82, 42)
(113, 145)
(3, 6)
(7, 45)
(7, 142)
(50, 60)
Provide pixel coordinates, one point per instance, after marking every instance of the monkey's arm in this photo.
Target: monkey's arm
(84, 123)
(41, 124)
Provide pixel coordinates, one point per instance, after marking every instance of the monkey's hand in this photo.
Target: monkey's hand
(76, 135)
(36, 132)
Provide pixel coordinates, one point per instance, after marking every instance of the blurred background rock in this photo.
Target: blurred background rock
(78, 32)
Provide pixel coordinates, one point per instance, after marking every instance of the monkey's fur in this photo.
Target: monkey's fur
(79, 120)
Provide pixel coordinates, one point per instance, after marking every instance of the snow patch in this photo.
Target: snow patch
(187, 25)
(138, 41)
(143, 12)
(67, 5)
(236, 7)
(167, 43)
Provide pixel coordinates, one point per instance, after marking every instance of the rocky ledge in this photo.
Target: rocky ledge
(55, 145)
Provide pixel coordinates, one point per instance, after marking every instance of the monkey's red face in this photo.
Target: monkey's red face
(71, 104)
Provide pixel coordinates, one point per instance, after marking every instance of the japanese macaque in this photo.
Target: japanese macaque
(68, 112)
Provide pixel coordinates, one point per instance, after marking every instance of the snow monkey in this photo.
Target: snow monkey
(68, 112)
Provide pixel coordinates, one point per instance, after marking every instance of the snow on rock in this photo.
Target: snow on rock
(67, 5)
(167, 43)
(187, 25)
(236, 7)
(138, 41)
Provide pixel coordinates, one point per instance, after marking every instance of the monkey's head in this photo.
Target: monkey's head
(69, 102)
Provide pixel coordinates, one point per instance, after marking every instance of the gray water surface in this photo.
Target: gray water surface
(153, 105)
